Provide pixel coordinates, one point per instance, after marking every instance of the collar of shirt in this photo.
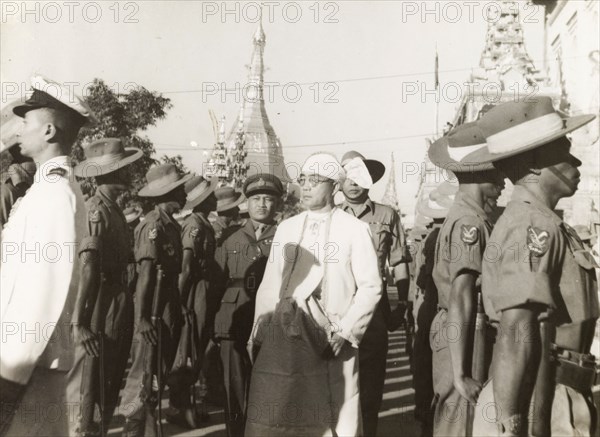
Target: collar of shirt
(367, 206)
(466, 200)
(62, 161)
(108, 196)
(165, 217)
(522, 194)
(203, 219)
(256, 225)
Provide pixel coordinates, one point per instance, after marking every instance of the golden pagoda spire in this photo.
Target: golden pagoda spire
(264, 154)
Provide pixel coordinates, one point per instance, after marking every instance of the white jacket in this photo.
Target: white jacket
(353, 281)
(39, 274)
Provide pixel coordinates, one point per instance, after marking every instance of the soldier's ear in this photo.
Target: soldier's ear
(50, 132)
(337, 186)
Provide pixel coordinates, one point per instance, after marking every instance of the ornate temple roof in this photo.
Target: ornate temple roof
(506, 65)
(262, 144)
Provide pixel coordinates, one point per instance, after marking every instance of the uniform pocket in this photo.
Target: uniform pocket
(225, 314)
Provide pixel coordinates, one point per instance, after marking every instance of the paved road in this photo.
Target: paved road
(396, 416)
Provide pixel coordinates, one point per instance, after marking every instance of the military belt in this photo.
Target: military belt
(249, 288)
(576, 370)
(236, 282)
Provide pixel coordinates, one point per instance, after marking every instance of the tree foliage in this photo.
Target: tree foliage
(124, 116)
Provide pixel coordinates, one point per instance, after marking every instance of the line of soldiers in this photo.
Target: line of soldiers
(184, 292)
(505, 312)
(187, 291)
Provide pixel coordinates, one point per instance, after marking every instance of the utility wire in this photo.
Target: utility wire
(358, 79)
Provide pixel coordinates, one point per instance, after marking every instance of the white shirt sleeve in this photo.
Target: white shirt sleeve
(368, 286)
(45, 262)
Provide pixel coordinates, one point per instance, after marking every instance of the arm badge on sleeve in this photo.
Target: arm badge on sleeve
(95, 216)
(194, 232)
(152, 234)
(469, 234)
(537, 241)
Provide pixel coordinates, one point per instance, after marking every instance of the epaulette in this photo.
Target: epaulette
(57, 171)
(228, 232)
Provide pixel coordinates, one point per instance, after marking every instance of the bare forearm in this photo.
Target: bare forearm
(514, 357)
(144, 291)
(460, 317)
(185, 277)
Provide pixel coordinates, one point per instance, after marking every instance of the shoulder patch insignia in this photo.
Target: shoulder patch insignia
(152, 234)
(469, 234)
(537, 241)
(194, 232)
(57, 171)
(95, 216)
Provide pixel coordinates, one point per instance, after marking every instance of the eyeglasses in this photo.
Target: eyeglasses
(313, 181)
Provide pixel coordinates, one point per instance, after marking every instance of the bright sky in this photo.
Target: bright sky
(372, 60)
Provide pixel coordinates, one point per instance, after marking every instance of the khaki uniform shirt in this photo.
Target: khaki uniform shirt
(108, 234)
(197, 235)
(460, 245)
(242, 260)
(534, 257)
(158, 238)
(386, 230)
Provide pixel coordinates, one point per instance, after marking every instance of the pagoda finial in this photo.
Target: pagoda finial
(259, 36)
(390, 196)
(221, 135)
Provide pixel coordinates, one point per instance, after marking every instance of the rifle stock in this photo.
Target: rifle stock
(94, 373)
(478, 370)
(157, 320)
(543, 394)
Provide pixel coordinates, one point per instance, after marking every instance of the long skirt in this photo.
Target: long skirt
(297, 388)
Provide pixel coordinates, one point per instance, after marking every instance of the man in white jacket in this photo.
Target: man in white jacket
(319, 292)
(38, 279)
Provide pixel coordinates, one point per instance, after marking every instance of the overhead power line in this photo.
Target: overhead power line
(298, 146)
(356, 79)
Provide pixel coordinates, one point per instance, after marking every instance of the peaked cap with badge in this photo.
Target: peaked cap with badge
(105, 156)
(47, 93)
(262, 183)
(163, 179)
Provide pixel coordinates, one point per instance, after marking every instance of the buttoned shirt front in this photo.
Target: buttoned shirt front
(460, 245)
(40, 272)
(534, 257)
(386, 230)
